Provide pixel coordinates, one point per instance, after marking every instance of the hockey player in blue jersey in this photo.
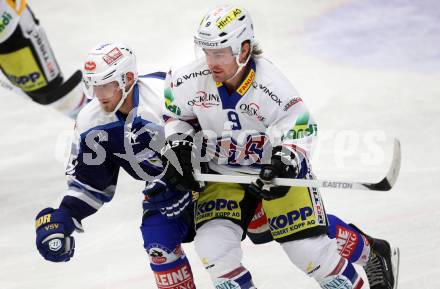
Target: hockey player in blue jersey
(121, 127)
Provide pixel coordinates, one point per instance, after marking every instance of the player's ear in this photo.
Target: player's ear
(245, 50)
(130, 78)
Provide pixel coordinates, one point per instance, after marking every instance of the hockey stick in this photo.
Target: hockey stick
(384, 185)
(46, 98)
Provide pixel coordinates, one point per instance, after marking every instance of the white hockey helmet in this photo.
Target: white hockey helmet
(225, 26)
(107, 63)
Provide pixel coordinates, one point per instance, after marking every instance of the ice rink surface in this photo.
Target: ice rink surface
(369, 70)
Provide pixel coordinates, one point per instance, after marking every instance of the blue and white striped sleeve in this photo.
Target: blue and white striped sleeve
(91, 180)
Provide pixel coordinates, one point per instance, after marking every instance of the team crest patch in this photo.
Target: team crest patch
(159, 254)
(55, 244)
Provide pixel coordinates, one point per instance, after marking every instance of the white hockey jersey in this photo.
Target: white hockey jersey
(265, 110)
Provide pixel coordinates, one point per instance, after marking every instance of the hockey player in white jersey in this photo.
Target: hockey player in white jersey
(121, 127)
(255, 123)
(28, 63)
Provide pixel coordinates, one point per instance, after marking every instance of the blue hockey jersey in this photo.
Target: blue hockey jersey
(103, 143)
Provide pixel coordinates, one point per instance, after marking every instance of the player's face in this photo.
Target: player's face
(221, 62)
(108, 95)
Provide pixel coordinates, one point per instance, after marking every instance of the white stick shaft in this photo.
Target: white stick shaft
(281, 181)
(384, 185)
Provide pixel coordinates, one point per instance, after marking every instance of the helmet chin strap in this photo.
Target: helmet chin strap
(240, 65)
(124, 96)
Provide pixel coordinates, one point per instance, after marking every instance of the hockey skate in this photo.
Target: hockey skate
(382, 268)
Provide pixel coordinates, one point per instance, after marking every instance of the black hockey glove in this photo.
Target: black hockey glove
(284, 164)
(178, 155)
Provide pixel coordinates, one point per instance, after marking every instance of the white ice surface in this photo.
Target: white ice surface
(369, 72)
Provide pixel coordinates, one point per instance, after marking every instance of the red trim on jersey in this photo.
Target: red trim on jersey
(234, 273)
(338, 267)
(359, 284)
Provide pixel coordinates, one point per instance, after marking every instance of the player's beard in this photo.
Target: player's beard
(218, 77)
(223, 75)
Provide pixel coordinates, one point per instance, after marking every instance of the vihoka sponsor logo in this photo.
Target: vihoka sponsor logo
(292, 102)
